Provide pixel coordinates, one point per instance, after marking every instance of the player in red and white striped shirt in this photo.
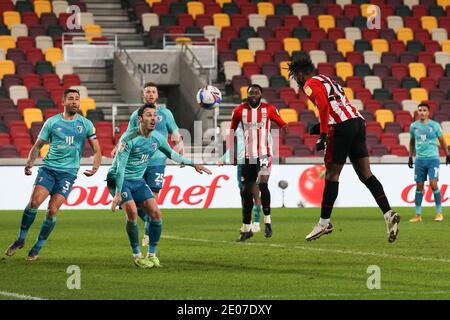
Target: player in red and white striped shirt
(342, 132)
(255, 117)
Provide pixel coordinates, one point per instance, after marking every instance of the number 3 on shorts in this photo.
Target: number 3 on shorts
(436, 172)
(66, 187)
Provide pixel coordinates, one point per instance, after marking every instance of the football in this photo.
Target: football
(209, 97)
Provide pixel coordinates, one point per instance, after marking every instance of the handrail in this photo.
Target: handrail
(136, 71)
(106, 35)
(185, 49)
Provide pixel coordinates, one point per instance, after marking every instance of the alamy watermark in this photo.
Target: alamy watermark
(74, 280)
(374, 279)
(374, 17)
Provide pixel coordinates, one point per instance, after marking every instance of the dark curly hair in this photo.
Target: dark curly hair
(303, 65)
(145, 106)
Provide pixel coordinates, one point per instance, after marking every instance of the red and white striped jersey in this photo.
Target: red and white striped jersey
(256, 126)
(329, 97)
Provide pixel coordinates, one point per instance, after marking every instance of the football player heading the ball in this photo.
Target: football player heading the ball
(342, 133)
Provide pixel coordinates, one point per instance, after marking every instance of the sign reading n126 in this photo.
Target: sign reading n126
(153, 68)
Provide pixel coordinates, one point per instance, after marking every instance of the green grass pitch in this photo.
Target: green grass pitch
(201, 259)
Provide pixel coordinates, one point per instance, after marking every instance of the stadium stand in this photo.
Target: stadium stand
(385, 72)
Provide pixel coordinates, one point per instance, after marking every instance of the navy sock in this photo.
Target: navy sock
(418, 201)
(133, 235)
(46, 228)
(28, 217)
(154, 232)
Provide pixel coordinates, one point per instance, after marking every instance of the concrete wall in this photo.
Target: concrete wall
(127, 85)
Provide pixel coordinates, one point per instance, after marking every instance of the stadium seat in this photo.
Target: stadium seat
(380, 46)
(344, 70)
(372, 83)
(326, 22)
(53, 55)
(31, 115)
(7, 42)
(244, 55)
(231, 69)
(19, 30)
(10, 18)
(92, 30)
(291, 44)
(266, 9)
(289, 115)
(439, 35)
(41, 7)
(429, 23)
(195, 8)
(394, 22)
(43, 43)
(442, 58)
(419, 94)
(59, 6)
(382, 116)
(372, 57)
(260, 79)
(87, 104)
(349, 93)
(417, 70)
(405, 35)
(7, 67)
(344, 46)
(82, 90)
(221, 20)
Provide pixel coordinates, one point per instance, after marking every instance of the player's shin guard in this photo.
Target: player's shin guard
(154, 232)
(46, 228)
(247, 199)
(330, 194)
(265, 198)
(133, 235)
(29, 214)
(418, 201)
(377, 191)
(437, 200)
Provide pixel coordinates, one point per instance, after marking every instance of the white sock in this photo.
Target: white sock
(247, 227)
(267, 219)
(138, 255)
(324, 222)
(256, 223)
(151, 254)
(387, 215)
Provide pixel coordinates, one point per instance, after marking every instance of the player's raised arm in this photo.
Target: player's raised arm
(33, 154)
(318, 94)
(175, 156)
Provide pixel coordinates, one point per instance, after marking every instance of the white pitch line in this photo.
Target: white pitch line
(339, 251)
(19, 296)
(354, 294)
(374, 293)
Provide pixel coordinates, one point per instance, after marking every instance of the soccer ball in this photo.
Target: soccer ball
(209, 97)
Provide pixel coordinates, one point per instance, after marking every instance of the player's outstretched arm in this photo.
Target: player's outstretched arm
(200, 169)
(32, 156)
(97, 158)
